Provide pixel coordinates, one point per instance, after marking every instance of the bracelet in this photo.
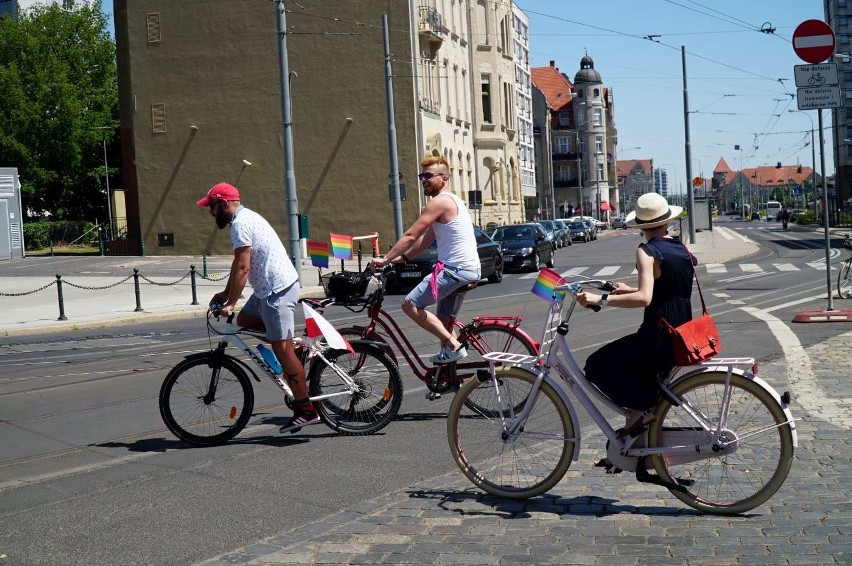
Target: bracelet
(405, 258)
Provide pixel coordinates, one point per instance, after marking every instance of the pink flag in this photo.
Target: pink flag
(316, 326)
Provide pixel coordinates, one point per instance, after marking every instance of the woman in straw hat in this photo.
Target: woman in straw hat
(626, 370)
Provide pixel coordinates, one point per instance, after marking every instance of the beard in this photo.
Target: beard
(222, 218)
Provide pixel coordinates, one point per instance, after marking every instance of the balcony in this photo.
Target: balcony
(431, 26)
(564, 156)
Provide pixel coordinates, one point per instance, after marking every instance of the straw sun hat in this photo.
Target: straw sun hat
(652, 210)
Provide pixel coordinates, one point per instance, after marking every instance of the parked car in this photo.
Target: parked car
(566, 234)
(619, 222)
(589, 221)
(406, 276)
(579, 231)
(525, 246)
(553, 233)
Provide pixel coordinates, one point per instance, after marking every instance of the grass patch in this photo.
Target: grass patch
(66, 251)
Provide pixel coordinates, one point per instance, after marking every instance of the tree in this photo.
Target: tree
(59, 95)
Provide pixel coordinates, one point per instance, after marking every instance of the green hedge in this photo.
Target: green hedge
(39, 235)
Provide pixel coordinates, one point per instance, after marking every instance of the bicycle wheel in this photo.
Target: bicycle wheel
(746, 472)
(379, 394)
(196, 417)
(844, 281)
(518, 466)
(495, 338)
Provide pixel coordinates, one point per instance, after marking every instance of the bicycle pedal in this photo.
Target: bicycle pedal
(432, 395)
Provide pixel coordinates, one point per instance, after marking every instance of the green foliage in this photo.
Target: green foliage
(39, 235)
(807, 217)
(59, 102)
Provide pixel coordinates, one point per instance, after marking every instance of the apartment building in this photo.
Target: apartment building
(200, 102)
(523, 89)
(839, 16)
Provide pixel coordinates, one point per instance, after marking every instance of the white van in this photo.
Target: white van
(773, 207)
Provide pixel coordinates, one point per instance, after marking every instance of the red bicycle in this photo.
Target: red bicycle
(481, 335)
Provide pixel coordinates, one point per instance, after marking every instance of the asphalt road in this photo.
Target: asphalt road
(89, 474)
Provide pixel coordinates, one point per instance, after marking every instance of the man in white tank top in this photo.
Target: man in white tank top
(445, 220)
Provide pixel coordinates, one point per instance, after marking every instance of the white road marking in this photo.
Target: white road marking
(806, 391)
(716, 268)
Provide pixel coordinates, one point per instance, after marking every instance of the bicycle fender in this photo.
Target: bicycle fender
(760, 382)
(238, 361)
(499, 321)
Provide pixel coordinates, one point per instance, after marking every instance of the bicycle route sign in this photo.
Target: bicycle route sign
(813, 41)
(824, 74)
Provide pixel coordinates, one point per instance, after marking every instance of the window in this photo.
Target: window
(843, 20)
(847, 76)
(582, 146)
(562, 145)
(153, 24)
(597, 93)
(848, 93)
(601, 172)
(158, 118)
(581, 116)
(486, 100)
(598, 144)
(844, 39)
(564, 119)
(598, 115)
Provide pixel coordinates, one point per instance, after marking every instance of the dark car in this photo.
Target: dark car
(525, 246)
(552, 231)
(566, 234)
(406, 276)
(579, 231)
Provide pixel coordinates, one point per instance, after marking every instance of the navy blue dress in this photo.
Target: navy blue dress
(626, 370)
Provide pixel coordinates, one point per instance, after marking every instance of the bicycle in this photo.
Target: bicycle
(844, 277)
(481, 335)
(207, 398)
(720, 439)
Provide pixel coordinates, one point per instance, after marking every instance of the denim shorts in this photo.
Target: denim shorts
(449, 301)
(276, 311)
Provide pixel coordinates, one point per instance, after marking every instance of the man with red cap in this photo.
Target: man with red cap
(261, 260)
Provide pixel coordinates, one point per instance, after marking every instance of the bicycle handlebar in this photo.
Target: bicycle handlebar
(575, 287)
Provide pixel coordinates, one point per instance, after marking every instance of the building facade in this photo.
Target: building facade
(496, 127)
(838, 14)
(635, 178)
(523, 89)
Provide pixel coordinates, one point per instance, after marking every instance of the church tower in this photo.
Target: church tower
(591, 116)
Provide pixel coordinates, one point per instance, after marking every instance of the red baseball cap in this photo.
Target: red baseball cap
(220, 191)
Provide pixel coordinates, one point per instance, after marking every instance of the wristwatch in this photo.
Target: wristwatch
(604, 297)
(404, 258)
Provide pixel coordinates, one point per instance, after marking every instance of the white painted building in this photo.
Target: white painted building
(523, 91)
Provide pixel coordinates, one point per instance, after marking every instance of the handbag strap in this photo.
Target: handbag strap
(692, 262)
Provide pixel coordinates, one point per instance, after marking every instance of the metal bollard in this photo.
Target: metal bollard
(359, 257)
(61, 298)
(192, 279)
(204, 265)
(138, 296)
(51, 248)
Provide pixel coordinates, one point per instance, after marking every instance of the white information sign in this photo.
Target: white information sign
(824, 74)
(816, 98)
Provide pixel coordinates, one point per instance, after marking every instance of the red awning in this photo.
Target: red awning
(605, 206)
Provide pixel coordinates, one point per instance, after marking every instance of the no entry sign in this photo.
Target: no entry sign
(813, 41)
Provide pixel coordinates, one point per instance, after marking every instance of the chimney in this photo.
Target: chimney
(552, 63)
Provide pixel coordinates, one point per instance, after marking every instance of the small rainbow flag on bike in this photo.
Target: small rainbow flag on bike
(545, 284)
(319, 253)
(341, 246)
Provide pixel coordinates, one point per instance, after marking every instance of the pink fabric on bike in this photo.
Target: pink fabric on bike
(433, 283)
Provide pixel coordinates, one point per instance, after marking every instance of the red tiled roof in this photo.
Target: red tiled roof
(556, 88)
(625, 166)
(769, 175)
(722, 166)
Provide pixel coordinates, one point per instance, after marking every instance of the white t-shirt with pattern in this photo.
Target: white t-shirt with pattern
(271, 269)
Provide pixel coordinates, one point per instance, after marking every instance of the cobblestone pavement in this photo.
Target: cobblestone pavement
(592, 518)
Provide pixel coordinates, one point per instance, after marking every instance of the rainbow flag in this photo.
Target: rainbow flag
(319, 253)
(341, 246)
(545, 284)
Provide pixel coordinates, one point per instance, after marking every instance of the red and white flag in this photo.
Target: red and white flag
(316, 326)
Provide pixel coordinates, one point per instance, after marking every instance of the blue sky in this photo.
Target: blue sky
(732, 72)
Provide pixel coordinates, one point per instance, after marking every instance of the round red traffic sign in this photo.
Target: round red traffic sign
(813, 41)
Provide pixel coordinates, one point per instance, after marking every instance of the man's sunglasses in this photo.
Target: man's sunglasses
(426, 176)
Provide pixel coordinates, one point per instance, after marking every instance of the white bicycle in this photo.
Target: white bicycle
(720, 438)
(207, 398)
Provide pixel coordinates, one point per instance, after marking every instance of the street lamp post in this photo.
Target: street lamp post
(813, 155)
(106, 181)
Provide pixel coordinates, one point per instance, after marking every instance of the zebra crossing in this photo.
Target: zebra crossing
(737, 271)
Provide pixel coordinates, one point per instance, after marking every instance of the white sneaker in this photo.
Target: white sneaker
(447, 356)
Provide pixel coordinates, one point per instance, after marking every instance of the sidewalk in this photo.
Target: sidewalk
(91, 299)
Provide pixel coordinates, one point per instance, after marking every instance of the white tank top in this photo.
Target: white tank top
(456, 240)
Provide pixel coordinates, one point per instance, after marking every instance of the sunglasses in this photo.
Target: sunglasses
(426, 176)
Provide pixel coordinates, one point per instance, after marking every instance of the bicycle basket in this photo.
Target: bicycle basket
(345, 286)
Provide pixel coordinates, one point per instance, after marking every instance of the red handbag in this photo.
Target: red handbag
(696, 340)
